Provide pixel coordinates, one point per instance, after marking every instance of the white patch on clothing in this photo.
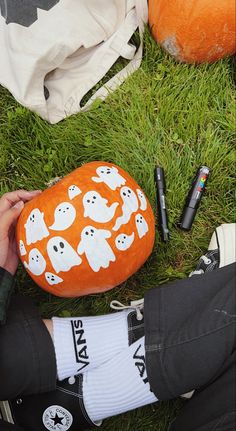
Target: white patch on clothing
(57, 418)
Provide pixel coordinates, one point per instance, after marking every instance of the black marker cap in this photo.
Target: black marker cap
(159, 177)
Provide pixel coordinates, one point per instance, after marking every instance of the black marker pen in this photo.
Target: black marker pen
(161, 204)
(194, 197)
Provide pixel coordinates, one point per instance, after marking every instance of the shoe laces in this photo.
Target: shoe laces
(134, 305)
(207, 262)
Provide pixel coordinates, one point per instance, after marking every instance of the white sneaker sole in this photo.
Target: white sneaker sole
(224, 238)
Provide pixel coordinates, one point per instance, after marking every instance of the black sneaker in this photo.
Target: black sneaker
(221, 250)
(59, 410)
(135, 318)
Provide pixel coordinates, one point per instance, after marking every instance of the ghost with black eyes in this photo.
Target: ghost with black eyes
(97, 250)
(37, 263)
(142, 200)
(110, 176)
(123, 241)
(62, 256)
(73, 191)
(96, 208)
(141, 225)
(130, 205)
(52, 278)
(64, 216)
(35, 227)
(22, 248)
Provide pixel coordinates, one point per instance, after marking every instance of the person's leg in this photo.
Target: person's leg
(84, 343)
(189, 331)
(189, 338)
(27, 358)
(213, 407)
(28, 362)
(189, 348)
(5, 426)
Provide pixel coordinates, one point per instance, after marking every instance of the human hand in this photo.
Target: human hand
(11, 205)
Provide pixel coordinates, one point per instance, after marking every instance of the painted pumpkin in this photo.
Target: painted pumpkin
(88, 233)
(194, 31)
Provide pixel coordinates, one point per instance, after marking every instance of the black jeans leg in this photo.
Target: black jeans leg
(27, 357)
(213, 407)
(190, 339)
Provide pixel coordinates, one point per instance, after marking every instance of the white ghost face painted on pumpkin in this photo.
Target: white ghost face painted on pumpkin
(64, 216)
(62, 256)
(110, 176)
(22, 248)
(52, 278)
(96, 208)
(123, 241)
(96, 248)
(73, 191)
(37, 263)
(130, 205)
(142, 200)
(35, 227)
(141, 225)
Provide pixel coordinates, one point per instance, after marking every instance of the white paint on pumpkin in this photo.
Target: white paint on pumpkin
(35, 227)
(37, 263)
(130, 205)
(142, 200)
(96, 248)
(96, 208)
(73, 191)
(62, 256)
(22, 248)
(110, 176)
(52, 278)
(141, 225)
(123, 242)
(64, 216)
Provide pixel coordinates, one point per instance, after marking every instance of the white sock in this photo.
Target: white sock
(119, 385)
(83, 343)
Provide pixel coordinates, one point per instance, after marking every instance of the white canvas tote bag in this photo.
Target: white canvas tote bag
(53, 52)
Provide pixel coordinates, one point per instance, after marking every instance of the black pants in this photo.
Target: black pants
(190, 344)
(190, 339)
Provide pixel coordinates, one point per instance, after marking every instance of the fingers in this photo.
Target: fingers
(9, 199)
(8, 219)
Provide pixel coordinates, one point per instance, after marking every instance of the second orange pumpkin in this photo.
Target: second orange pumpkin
(194, 31)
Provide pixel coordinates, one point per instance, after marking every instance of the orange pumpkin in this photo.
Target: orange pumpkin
(88, 233)
(194, 31)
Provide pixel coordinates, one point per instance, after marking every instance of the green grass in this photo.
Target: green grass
(179, 116)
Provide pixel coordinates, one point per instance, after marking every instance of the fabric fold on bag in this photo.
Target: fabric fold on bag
(53, 55)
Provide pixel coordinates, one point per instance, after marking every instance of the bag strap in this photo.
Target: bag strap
(126, 50)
